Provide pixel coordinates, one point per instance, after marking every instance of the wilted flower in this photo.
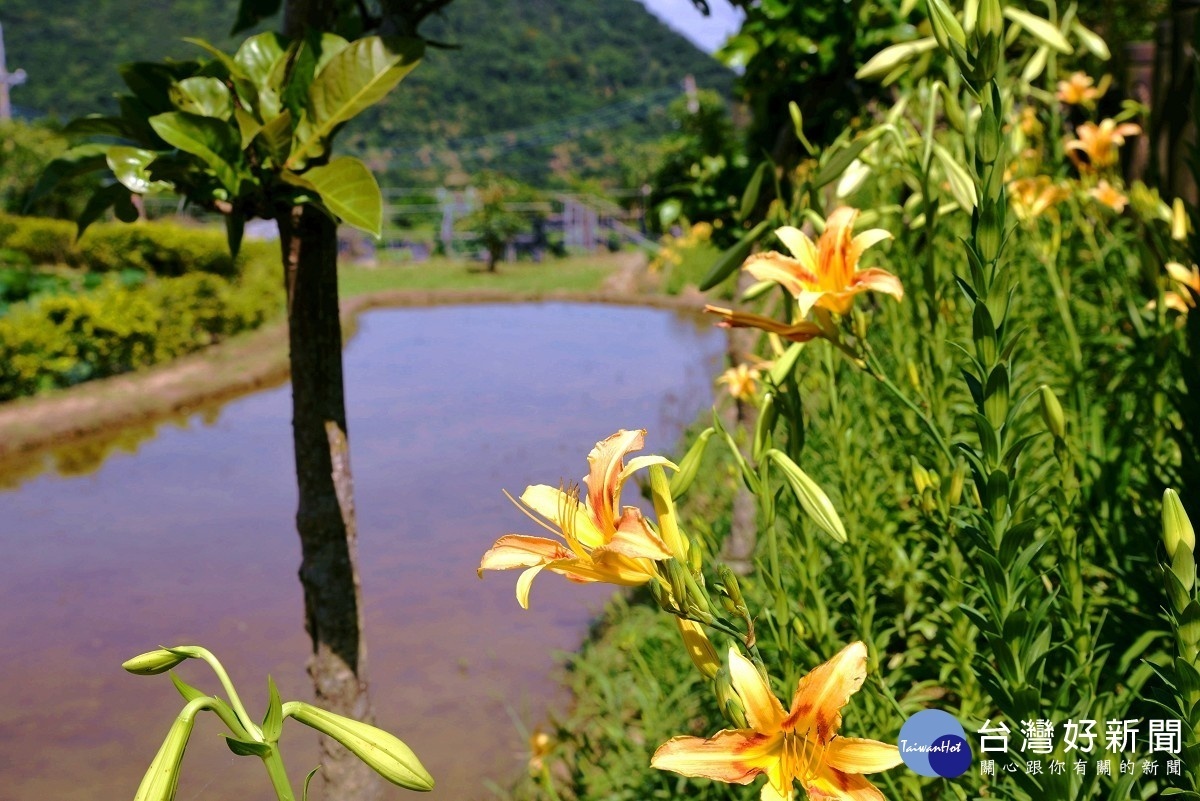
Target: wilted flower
(1109, 195)
(1078, 90)
(789, 745)
(603, 541)
(1096, 145)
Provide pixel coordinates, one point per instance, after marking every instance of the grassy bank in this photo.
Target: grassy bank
(576, 274)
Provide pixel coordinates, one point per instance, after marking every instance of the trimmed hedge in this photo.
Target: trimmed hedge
(161, 248)
(62, 340)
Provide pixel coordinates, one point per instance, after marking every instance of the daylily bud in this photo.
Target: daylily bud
(679, 588)
(914, 377)
(729, 701)
(699, 648)
(689, 465)
(988, 137)
(952, 110)
(664, 510)
(151, 663)
(1179, 220)
(1052, 412)
(382, 752)
(889, 58)
(733, 590)
(920, 476)
(812, 498)
(162, 777)
(1176, 526)
(990, 18)
(957, 480)
(946, 27)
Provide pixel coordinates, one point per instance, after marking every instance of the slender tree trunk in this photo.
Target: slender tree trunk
(325, 518)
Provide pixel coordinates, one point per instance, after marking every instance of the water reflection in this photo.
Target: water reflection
(190, 539)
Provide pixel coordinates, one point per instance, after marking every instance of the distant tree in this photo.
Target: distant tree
(492, 221)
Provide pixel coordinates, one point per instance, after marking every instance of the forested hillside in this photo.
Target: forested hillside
(583, 82)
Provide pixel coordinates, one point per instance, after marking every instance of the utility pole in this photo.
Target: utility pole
(7, 79)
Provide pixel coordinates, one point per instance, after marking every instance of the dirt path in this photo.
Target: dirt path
(244, 364)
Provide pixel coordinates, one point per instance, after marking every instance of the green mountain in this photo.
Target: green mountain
(541, 89)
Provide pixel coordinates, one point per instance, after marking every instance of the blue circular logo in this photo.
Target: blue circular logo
(933, 743)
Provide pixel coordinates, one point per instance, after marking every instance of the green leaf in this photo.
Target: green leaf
(308, 780)
(753, 189)
(248, 747)
(188, 692)
(272, 725)
(97, 125)
(129, 165)
(151, 82)
(114, 196)
(276, 135)
(248, 126)
(235, 227)
(77, 161)
(213, 142)
(235, 70)
(349, 190)
(207, 97)
(257, 56)
(732, 258)
(356, 78)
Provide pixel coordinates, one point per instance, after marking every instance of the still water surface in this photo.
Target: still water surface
(189, 539)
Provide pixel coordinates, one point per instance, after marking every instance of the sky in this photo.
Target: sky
(709, 32)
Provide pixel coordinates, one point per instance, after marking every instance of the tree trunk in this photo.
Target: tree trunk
(325, 517)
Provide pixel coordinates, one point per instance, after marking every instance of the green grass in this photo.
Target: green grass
(578, 273)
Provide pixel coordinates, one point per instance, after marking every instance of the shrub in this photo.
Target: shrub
(161, 248)
(62, 340)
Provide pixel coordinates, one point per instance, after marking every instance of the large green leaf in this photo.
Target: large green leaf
(257, 56)
(235, 69)
(356, 78)
(76, 161)
(114, 196)
(207, 97)
(213, 142)
(129, 165)
(151, 81)
(277, 136)
(348, 189)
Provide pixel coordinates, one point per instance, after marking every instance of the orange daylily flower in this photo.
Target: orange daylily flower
(1108, 195)
(800, 744)
(1031, 197)
(601, 541)
(825, 274)
(1078, 90)
(1096, 147)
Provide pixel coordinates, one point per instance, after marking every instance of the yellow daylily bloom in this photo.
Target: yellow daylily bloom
(800, 744)
(825, 274)
(1078, 90)
(601, 541)
(1188, 282)
(1108, 195)
(1032, 197)
(741, 381)
(1096, 145)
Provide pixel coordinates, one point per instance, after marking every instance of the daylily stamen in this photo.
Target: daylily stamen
(528, 513)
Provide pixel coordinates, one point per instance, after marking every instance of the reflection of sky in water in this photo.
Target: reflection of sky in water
(191, 540)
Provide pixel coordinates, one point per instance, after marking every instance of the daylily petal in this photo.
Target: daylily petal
(564, 511)
(879, 281)
(865, 240)
(856, 755)
(797, 332)
(517, 550)
(734, 755)
(789, 273)
(604, 464)
(639, 462)
(770, 792)
(1183, 275)
(820, 694)
(763, 710)
(633, 539)
(800, 245)
(830, 783)
(525, 583)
